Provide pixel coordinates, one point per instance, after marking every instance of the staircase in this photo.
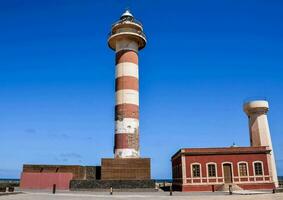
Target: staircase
(225, 187)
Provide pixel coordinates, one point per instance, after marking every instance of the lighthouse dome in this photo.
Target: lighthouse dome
(127, 14)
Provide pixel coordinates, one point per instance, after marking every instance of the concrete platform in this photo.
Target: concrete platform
(137, 196)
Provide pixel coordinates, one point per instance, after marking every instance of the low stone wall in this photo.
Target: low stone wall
(7, 187)
(115, 184)
(9, 184)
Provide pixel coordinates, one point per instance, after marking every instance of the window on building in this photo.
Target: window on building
(196, 170)
(258, 168)
(243, 169)
(211, 170)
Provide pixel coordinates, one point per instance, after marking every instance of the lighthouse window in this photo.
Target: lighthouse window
(243, 169)
(196, 170)
(258, 169)
(211, 170)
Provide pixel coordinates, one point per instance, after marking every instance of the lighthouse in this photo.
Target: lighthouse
(126, 39)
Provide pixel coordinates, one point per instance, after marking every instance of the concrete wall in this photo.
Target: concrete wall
(44, 176)
(35, 180)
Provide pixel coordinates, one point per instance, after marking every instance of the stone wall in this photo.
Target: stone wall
(107, 184)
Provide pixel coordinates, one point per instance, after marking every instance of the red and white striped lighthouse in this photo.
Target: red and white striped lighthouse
(127, 38)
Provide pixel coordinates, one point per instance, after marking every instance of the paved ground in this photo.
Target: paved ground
(137, 196)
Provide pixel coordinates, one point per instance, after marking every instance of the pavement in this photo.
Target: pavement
(30, 195)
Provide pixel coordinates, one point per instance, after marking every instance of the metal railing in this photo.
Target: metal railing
(121, 21)
(127, 30)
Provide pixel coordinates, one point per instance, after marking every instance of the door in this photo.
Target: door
(227, 168)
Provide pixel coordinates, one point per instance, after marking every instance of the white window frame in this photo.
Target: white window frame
(200, 169)
(247, 164)
(258, 161)
(207, 172)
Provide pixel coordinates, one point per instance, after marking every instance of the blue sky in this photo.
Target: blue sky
(202, 60)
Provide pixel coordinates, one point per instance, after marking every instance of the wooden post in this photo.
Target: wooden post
(54, 189)
(230, 189)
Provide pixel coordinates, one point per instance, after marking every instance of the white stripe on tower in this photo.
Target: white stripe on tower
(126, 96)
(127, 125)
(127, 69)
(126, 153)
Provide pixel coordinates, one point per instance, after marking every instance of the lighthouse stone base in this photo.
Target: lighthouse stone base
(125, 168)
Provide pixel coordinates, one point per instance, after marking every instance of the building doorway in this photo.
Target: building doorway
(227, 169)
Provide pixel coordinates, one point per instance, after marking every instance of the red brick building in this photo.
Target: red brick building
(208, 169)
(201, 169)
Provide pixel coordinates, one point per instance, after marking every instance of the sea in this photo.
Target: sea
(157, 180)
(5, 180)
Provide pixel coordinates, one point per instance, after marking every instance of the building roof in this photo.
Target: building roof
(222, 151)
